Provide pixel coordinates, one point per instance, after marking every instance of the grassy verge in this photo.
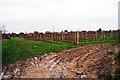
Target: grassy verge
(15, 50)
(62, 42)
(99, 40)
(107, 40)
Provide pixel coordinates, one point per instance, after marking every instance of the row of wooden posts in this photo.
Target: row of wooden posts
(74, 37)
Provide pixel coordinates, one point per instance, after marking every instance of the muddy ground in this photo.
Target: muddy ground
(82, 62)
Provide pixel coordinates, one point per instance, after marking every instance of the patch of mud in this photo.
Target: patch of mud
(82, 62)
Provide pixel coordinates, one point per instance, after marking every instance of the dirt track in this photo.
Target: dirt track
(87, 61)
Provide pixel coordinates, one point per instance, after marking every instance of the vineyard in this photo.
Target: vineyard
(73, 37)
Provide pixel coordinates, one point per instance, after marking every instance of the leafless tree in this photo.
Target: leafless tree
(2, 28)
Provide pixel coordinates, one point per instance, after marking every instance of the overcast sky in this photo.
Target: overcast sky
(41, 15)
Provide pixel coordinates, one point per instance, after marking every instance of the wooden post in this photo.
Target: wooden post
(52, 37)
(62, 37)
(103, 35)
(111, 34)
(77, 37)
(96, 35)
(39, 36)
(89, 36)
(82, 35)
(86, 37)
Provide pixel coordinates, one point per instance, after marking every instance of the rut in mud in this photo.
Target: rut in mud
(87, 61)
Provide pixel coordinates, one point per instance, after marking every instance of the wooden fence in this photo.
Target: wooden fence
(74, 37)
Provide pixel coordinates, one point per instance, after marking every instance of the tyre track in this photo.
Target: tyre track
(73, 63)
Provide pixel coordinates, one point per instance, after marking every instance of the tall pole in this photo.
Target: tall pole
(53, 28)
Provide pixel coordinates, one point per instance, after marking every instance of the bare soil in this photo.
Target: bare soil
(82, 62)
(4, 39)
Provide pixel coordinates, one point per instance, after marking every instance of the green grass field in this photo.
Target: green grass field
(15, 50)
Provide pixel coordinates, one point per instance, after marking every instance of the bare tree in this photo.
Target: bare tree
(2, 28)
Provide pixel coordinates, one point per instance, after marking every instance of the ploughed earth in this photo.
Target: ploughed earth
(82, 62)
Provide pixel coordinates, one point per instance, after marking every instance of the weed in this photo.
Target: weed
(117, 74)
(81, 65)
(111, 53)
